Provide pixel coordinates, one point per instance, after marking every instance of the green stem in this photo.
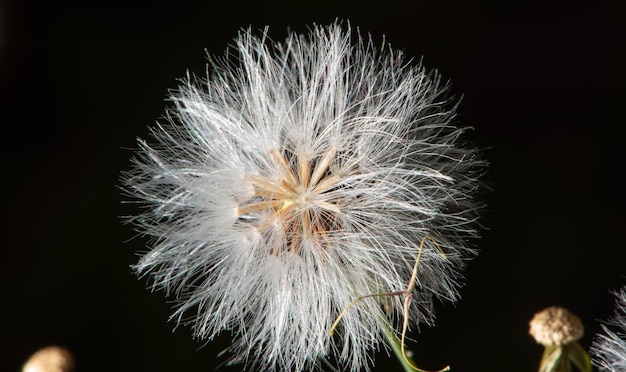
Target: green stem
(560, 358)
(579, 357)
(395, 344)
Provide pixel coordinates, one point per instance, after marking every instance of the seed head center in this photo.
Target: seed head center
(294, 202)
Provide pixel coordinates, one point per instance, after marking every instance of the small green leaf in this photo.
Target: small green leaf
(579, 357)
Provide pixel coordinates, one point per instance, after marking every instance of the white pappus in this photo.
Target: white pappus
(297, 177)
(608, 351)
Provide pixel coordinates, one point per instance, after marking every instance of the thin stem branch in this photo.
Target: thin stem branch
(396, 346)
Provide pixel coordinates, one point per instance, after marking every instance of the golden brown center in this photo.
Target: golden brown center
(298, 203)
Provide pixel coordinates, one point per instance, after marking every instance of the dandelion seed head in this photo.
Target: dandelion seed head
(609, 347)
(298, 176)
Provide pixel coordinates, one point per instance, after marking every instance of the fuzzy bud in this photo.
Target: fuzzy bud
(556, 326)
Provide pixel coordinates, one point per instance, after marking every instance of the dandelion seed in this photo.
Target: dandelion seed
(609, 347)
(298, 177)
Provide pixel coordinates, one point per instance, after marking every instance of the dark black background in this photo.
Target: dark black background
(543, 84)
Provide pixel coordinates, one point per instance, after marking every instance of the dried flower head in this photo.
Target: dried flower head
(609, 347)
(556, 326)
(50, 359)
(299, 176)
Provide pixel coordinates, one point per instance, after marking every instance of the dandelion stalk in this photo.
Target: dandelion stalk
(398, 345)
(394, 342)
